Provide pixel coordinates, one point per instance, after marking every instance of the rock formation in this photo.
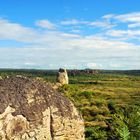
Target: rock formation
(62, 77)
(32, 110)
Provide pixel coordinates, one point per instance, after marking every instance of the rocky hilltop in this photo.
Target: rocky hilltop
(32, 110)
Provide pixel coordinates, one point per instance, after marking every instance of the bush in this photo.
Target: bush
(114, 124)
(95, 133)
(86, 94)
(111, 105)
(132, 117)
(124, 133)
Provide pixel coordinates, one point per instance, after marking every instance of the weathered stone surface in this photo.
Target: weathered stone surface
(32, 110)
(62, 77)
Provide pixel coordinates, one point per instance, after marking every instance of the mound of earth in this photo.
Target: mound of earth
(33, 110)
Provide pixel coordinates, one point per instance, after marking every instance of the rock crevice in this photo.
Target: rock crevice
(33, 110)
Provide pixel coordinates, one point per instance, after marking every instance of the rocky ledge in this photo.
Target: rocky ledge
(32, 110)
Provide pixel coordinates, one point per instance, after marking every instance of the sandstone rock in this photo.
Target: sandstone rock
(62, 77)
(32, 110)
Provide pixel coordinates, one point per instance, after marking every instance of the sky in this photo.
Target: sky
(73, 34)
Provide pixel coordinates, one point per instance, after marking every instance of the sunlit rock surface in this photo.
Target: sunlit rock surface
(32, 110)
(62, 77)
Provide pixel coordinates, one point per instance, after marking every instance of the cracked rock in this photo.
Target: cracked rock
(32, 110)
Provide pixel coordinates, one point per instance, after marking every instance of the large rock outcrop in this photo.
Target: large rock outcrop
(32, 110)
(62, 77)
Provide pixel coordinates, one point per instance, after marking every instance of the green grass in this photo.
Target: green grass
(99, 98)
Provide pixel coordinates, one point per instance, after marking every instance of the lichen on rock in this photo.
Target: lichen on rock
(33, 110)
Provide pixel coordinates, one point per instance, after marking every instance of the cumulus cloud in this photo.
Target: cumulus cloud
(71, 53)
(45, 24)
(15, 31)
(127, 34)
(54, 49)
(132, 19)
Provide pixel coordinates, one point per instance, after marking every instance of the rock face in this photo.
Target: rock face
(62, 77)
(32, 110)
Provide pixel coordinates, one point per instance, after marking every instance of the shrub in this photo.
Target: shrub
(124, 133)
(86, 94)
(111, 105)
(132, 117)
(95, 133)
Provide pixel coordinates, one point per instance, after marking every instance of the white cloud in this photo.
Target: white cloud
(108, 16)
(103, 24)
(127, 34)
(45, 24)
(14, 31)
(75, 31)
(116, 33)
(70, 22)
(127, 26)
(76, 22)
(129, 17)
(134, 25)
(115, 65)
(93, 65)
(71, 53)
(132, 19)
(53, 49)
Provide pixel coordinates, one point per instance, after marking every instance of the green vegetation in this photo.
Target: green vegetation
(109, 103)
(124, 133)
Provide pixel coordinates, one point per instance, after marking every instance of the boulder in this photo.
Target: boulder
(32, 110)
(62, 76)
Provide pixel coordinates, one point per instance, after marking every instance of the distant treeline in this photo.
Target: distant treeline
(70, 72)
(127, 72)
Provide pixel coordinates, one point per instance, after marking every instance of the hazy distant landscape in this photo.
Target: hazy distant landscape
(107, 100)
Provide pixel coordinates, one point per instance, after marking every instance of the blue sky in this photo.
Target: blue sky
(48, 34)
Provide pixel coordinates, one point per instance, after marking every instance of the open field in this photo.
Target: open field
(108, 102)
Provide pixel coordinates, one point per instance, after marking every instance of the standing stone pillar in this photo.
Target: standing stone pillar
(62, 77)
